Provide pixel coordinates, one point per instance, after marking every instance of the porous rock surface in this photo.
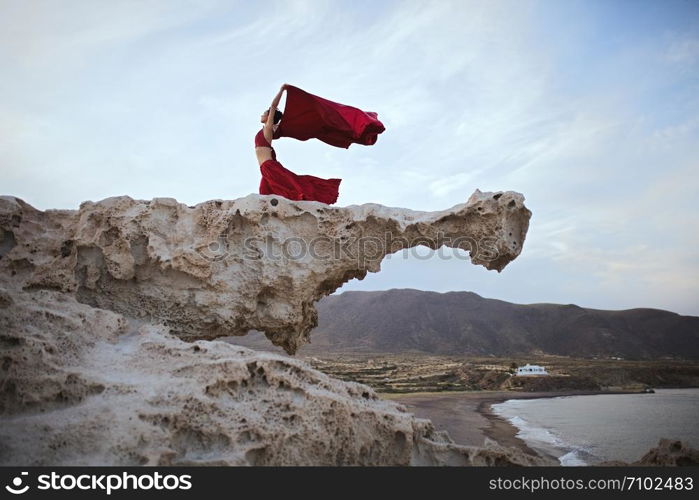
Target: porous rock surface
(106, 314)
(87, 386)
(668, 453)
(225, 267)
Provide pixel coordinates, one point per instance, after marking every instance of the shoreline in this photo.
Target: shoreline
(469, 419)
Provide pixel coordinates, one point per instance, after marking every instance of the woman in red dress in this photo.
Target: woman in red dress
(279, 180)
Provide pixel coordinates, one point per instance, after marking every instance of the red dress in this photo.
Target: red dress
(283, 182)
(308, 116)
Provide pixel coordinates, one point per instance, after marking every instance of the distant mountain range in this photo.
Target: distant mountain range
(464, 323)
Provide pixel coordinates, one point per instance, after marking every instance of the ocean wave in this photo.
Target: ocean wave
(572, 459)
(539, 437)
(529, 432)
(596, 428)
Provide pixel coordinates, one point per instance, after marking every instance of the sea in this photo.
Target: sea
(585, 430)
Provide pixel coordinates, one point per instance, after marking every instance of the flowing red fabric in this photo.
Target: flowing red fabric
(307, 116)
(283, 182)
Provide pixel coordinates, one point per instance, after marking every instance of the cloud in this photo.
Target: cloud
(595, 123)
(683, 51)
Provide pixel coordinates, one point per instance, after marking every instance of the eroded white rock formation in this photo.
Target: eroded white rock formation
(222, 268)
(87, 386)
(101, 309)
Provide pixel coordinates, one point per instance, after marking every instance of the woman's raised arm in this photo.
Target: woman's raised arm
(269, 131)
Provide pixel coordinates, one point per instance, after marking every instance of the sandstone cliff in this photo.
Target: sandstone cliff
(226, 267)
(87, 386)
(105, 314)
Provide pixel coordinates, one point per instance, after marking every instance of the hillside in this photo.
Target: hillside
(464, 323)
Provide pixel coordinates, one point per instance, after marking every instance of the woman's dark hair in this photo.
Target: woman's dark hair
(277, 116)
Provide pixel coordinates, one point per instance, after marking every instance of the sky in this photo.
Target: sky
(588, 108)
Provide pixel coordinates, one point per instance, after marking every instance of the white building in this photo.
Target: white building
(531, 370)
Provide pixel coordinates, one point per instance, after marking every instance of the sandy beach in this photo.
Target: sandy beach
(468, 417)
